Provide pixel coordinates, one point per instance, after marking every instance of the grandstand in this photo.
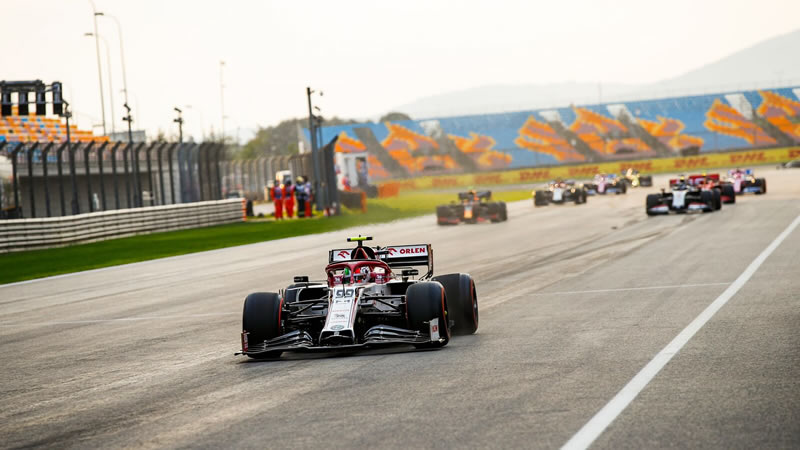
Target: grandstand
(601, 132)
(33, 128)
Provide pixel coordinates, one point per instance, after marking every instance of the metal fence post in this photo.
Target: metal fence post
(15, 175)
(171, 174)
(220, 149)
(45, 178)
(114, 173)
(159, 154)
(147, 155)
(76, 207)
(125, 154)
(135, 171)
(100, 169)
(86, 150)
(199, 158)
(137, 183)
(60, 163)
(32, 191)
(209, 179)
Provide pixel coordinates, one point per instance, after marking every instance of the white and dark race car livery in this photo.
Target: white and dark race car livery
(682, 197)
(560, 192)
(370, 298)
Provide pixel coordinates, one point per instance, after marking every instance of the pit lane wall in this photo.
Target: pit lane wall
(647, 166)
(32, 234)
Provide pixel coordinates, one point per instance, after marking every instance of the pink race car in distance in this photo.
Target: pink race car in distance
(745, 182)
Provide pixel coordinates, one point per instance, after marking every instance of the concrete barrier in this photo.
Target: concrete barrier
(30, 234)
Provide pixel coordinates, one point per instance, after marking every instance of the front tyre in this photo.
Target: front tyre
(425, 301)
(261, 319)
(462, 302)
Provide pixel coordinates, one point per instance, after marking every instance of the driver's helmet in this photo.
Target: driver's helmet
(362, 274)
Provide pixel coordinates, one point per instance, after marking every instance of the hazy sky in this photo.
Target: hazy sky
(367, 56)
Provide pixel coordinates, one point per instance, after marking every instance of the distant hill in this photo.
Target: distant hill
(767, 64)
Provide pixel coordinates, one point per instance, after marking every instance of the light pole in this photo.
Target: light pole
(179, 121)
(222, 99)
(315, 157)
(110, 83)
(121, 52)
(134, 157)
(99, 70)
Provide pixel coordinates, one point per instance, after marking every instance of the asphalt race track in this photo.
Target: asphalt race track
(575, 302)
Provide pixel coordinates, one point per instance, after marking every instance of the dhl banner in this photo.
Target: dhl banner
(648, 166)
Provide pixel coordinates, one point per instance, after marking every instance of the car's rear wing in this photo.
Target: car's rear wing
(395, 256)
(694, 180)
(487, 195)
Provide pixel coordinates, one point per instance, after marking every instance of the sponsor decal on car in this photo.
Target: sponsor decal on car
(408, 250)
(342, 309)
(434, 325)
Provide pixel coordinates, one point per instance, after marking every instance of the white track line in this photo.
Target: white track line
(597, 424)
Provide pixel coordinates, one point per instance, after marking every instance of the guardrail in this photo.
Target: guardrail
(30, 234)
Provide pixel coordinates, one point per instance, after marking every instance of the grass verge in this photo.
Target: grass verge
(21, 266)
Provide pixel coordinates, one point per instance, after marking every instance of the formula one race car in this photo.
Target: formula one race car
(682, 197)
(472, 207)
(745, 182)
(370, 299)
(635, 179)
(723, 191)
(606, 184)
(560, 192)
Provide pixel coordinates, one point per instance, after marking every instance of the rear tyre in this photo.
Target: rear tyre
(707, 197)
(261, 319)
(762, 182)
(652, 201)
(462, 302)
(539, 198)
(729, 192)
(503, 211)
(443, 212)
(425, 301)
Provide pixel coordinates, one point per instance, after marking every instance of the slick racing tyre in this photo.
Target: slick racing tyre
(425, 301)
(652, 201)
(762, 183)
(261, 319)
(498, 210)
(707, 197)
(539, 198)
(445, 215)
(462, 302)
(717, 198)
(729, 192)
